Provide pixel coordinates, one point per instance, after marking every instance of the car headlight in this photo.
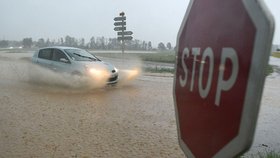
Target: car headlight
(92, 70)
(98, 73)
(95, 71)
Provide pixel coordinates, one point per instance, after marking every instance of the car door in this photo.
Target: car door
(61, 62)
(45, 57)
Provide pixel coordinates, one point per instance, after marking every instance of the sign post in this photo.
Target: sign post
(223, 48)
(120, 27)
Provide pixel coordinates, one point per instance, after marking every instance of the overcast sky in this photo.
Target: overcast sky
(150, 20)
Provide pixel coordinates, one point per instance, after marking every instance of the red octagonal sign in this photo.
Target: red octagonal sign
(223, 48)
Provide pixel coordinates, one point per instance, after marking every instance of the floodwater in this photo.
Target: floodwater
(44, 114)
(50, 118)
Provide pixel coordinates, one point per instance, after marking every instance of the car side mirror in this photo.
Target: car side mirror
(64, 60)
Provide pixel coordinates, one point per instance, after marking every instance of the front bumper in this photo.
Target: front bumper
(113, 79)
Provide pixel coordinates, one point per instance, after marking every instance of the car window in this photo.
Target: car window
(45, 54)
(81, 55)
(57, 55)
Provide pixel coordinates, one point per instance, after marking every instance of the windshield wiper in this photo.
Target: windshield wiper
(85, 56)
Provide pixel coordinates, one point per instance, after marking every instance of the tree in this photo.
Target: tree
(48, 42)
(70, 41)
(136, 44)
(4, 44)
(168, 46)
(27, 42)
(61, 41)
(144, 45)
(113, 44)
(100, 43)
(150, 45)
(161, 46)
(40, 43)
(92, 43)
(82, 43)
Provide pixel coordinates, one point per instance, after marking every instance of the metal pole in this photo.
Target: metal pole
(122, 37)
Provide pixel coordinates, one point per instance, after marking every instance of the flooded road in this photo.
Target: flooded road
(131, 120)
(134, 119)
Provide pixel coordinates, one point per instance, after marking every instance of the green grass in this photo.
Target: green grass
(271, 154)
(159, 57)
(263, 154)
(276, 54)
(269, 70)
(159, 70)
(165, 57)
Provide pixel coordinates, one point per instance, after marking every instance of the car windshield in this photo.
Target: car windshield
(81, 55)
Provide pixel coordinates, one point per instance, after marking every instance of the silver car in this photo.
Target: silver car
(75, 61)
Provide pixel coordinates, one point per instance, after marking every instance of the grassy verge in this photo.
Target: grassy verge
(276, 54)
(269, 70)
(159, 70)
(158, 57)
(165, 57)
(266, 154)
(270, 154)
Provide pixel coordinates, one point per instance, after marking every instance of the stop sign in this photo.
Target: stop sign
(223, 47)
